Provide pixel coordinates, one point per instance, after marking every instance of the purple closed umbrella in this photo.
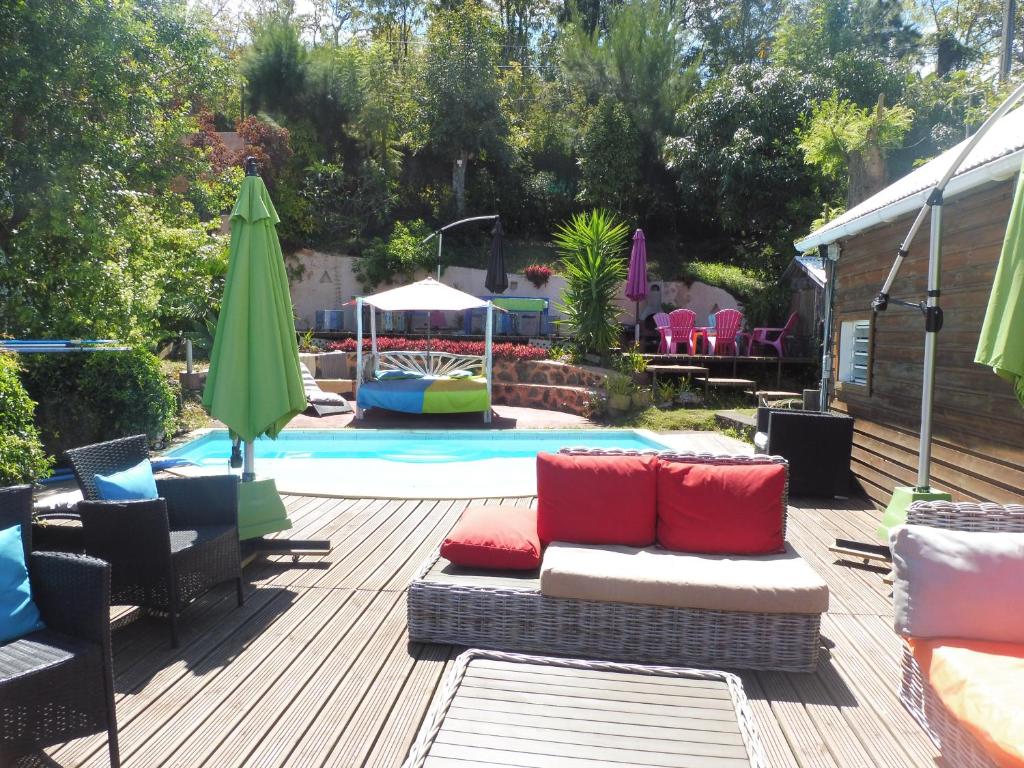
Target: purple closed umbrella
(636, 282)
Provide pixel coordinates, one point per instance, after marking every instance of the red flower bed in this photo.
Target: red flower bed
(503, 351)
(538, 274)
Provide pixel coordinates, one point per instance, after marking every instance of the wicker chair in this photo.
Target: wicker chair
(957, 745)
(163, 552)
(57, 684)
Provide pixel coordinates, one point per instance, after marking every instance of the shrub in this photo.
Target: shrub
(538, 274)
(502, 351)
(591, 248)
(22, 458)
(741, 283)
(100, 396)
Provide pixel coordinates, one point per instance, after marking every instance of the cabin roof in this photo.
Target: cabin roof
(810, 265)
(996, 157)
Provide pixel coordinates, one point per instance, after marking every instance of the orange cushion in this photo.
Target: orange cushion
(981, 683)
(596, 499)
(721, 508)
(494, 537)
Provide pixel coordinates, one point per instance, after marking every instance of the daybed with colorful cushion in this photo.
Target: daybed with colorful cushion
(958, 593)
(652, 558)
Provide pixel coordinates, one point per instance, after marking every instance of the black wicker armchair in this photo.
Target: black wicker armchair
(56, 684)
(163, 552)
(817, 446)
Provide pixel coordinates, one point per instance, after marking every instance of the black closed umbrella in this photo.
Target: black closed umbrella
(497, 279)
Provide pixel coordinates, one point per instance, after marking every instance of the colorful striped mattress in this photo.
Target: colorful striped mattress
(430, 394)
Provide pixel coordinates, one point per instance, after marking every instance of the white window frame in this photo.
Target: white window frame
(854, 356)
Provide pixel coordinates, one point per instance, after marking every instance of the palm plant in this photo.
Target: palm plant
(591, 247)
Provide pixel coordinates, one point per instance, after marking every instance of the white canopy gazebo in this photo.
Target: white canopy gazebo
(427, 295)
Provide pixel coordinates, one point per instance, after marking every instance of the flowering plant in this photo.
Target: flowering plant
(538, 274)
(502, 351)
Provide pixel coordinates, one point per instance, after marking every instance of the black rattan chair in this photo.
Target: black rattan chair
(163, 552)
(816, 445)
(56, 684)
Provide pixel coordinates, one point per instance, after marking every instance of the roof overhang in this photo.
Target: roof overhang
(1000, 169)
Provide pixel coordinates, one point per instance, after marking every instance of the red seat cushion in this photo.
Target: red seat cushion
(494, 537)
(596, 499)
(721, 508)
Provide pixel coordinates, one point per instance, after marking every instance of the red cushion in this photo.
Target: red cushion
(596, 499)
(494, 537)
(721, 508)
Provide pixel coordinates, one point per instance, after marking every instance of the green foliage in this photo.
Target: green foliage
(631, 361)
(22, 459)
(591, 247)
(838, 129)
(619, 384)
(97, 101)
(100, 396)
(738, 281)
(401, 255)
(610, 152)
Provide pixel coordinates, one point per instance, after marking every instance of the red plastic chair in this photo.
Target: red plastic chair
(682, 322)
(722, 340)
(663, 324)
(774, 337)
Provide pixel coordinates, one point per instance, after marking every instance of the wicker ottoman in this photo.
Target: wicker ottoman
(495, 706)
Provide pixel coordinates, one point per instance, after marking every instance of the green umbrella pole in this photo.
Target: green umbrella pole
(249, 469)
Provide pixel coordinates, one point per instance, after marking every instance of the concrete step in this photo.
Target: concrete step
(552, 397)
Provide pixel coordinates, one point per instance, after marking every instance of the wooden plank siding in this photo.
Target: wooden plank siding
(316, 668)
(978, 425)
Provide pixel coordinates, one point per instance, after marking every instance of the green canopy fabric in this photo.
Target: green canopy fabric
(254, 385)
(1001, 345)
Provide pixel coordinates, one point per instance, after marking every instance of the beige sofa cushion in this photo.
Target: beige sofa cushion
(781, 583)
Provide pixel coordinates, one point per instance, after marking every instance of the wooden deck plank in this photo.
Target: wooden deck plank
(315, 669)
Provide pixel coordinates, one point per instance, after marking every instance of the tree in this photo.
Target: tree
(91, 156)
(461, 93)
(276, 69)
(845, 140)
(610, 158)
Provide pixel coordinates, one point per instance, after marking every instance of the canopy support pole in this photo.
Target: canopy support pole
(488, 360)
(249, 468)
(373, 337)
(357, 380)
(440, 237)
(829, 254)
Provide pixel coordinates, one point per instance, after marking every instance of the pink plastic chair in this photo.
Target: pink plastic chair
(722, 340)
(663, 324)
(682, 322)
(774, 337)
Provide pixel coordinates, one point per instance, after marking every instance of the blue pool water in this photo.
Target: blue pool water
(413, 446)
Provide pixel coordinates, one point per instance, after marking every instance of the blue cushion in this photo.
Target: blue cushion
(129, 484)
(395, 375)
(18, 614)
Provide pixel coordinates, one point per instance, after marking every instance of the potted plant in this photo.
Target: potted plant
(634, 364)
(538, 274)
(620, 392)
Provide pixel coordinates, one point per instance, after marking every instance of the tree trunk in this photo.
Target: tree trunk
(459, 181)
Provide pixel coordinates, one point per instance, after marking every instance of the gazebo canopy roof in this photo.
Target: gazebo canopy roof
(426, 295)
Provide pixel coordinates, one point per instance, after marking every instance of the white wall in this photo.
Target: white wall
(328, 281)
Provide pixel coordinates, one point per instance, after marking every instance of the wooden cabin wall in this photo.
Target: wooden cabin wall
(978, 424)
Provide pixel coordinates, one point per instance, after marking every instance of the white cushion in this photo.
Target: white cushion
(780, 583)
(967, 584)
(761, 442)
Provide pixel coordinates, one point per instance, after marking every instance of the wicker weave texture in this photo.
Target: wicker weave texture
(105, 458)
(525, 620)
(453, 680)
(57, 684)
(958, 746)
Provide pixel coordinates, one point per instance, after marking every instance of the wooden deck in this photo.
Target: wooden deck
(315, 669)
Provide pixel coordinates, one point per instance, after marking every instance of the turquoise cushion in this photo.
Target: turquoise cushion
(396, 375)
(18, 614)
(129, 484)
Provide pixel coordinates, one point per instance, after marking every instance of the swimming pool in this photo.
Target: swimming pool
(408, 463)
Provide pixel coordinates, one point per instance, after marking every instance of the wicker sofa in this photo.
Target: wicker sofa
(958, 746)
(510, 611)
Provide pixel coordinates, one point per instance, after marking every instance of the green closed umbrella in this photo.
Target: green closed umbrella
(1001, 345)
(254, 385)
